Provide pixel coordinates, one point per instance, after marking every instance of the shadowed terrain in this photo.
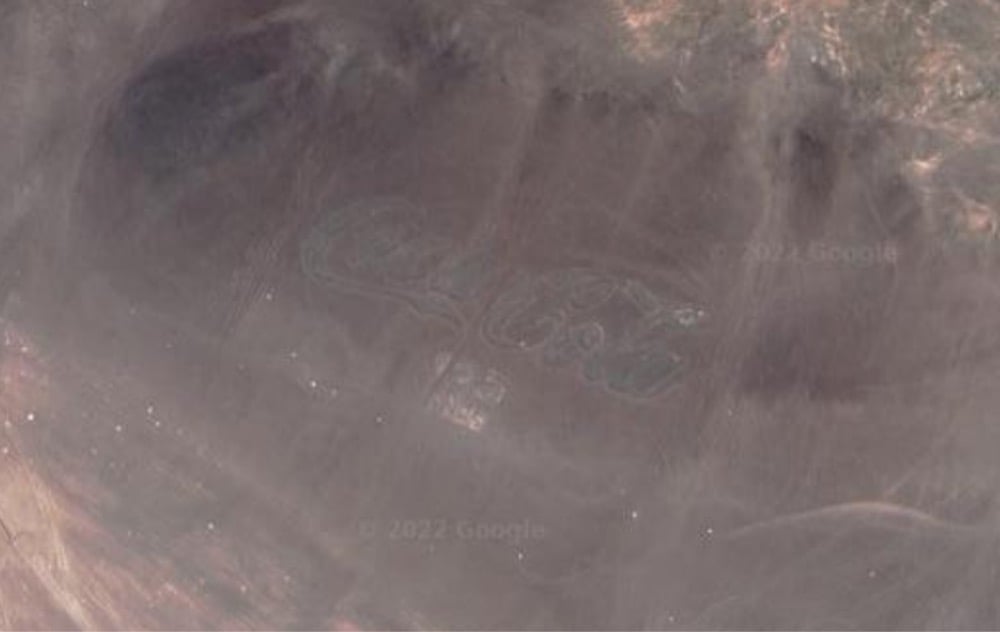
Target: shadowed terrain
(506, 314)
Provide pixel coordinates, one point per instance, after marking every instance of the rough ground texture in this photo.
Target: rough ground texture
(506, 314)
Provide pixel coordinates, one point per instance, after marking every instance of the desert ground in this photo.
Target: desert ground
(499, 314)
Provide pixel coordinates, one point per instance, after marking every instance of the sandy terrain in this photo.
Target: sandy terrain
(506, 314)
